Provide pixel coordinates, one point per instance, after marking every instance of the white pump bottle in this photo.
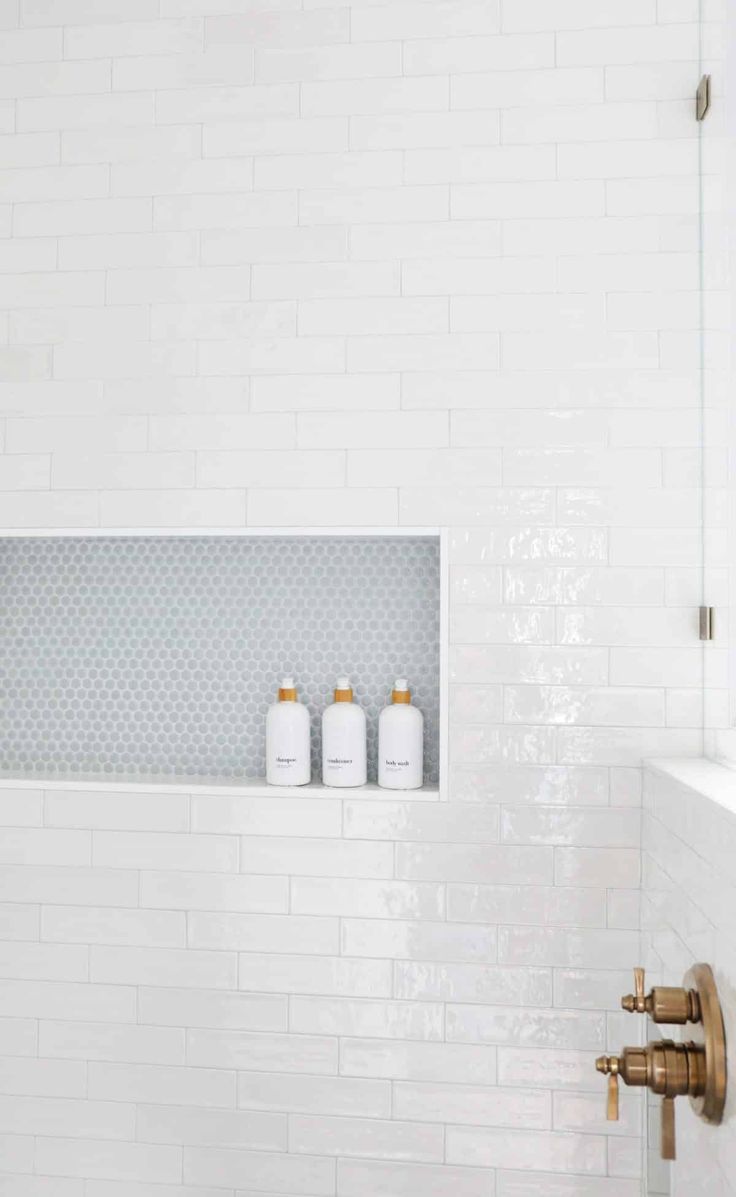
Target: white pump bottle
(401, 742)
(287, 739)
(344, 739)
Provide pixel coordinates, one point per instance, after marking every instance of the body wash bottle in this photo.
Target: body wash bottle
(344, 739)
(287, 739)
(400, 742)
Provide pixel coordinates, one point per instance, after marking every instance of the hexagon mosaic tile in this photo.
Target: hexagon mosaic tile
(160, 655)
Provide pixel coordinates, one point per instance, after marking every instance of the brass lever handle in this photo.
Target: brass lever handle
(664, 1003)
(667, 1140)
(670, 1069)
(610, 1065)
(636, 1002)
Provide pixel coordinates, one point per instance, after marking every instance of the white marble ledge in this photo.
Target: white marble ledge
(122, 783)
(709, 778)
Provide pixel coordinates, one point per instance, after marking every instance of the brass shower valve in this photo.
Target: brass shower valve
(669, 1069)
(665, 1003)
(696, 1069)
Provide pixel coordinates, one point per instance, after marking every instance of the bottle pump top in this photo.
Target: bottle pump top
(287, 690)
(343, 690)
(401, 691)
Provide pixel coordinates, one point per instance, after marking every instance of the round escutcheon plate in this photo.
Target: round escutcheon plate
(709, 1034)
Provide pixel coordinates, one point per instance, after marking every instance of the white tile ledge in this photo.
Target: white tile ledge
(709, 778)
(256, 788)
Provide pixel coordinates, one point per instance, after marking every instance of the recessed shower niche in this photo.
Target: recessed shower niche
(157, 656)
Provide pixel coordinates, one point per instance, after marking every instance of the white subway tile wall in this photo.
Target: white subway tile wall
(315, 262)
(688, 910)
(205, 991)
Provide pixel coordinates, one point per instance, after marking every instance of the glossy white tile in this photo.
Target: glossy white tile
(268, 973)
(315, 857)
(436, 822)
(474, 1105)
(548, 784)
(538, 906)
(262, 932)
(260, 1052)
(570, 825)
(544, 1028)
(545, 1150)
(488, 863)
(183, 891)
(367, 1138)
(471, 983)
(413, 1020)
(212, 1128)
(212, 1008)
(413, 940)
(440, 1062)
(597, 866)
(272, 1172)
(298, 1093)
(377, 1178)
(266, 816)
(126, 1043)
(367, 898)
(561, 946)
(160, 1085)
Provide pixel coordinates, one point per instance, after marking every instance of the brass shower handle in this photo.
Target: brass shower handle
(666, 1068)
(664, 1003)
(696, 1069)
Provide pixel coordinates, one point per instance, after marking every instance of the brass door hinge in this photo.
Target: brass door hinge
(706, 623)
(702, 98)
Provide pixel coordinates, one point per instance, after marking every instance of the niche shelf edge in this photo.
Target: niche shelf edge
(217, 787)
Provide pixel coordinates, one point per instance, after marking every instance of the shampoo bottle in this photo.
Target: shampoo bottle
(400, 742)
(287, 739)
(344, 739)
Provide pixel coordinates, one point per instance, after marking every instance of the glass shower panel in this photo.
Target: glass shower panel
(718, 547)
(694, 343)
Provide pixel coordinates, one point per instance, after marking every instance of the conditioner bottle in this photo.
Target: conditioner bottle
(400, 742)
(344, 739)
(287, 739)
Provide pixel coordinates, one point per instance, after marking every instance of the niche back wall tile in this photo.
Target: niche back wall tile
(160, 655)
